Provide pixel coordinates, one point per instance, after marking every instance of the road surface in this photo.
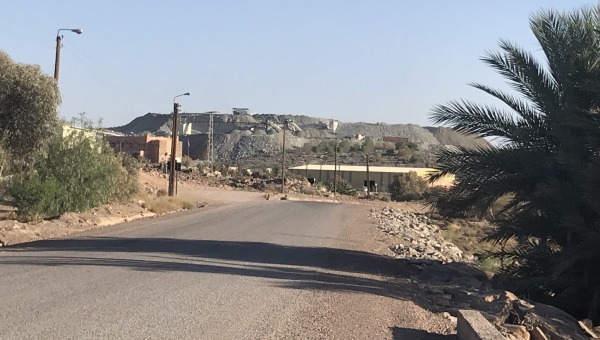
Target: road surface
(253, 270)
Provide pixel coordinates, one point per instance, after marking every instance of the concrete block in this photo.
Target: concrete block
(473, 326)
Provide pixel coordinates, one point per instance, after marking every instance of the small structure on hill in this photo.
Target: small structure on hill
(240, 111)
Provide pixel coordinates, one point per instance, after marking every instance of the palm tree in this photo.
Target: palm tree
(546, 157)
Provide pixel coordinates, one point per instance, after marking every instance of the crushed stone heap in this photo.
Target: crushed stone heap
(418, 237)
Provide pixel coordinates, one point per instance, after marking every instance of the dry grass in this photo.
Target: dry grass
(468, 236)
(164, 204)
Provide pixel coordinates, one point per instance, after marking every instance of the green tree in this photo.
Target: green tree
(407, 187)
(28, 111)
(547, 159)
(368, 146)
(344, 146)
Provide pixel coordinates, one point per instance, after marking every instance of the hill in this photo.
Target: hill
(248, 137)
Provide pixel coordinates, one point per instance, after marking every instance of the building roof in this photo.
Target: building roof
(363, 168)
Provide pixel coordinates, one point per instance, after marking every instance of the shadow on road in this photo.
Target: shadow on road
(295, 267)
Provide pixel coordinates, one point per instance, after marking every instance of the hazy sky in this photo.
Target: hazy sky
(374, 61)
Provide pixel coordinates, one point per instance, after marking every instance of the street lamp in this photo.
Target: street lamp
(58, 46)
(173, 163)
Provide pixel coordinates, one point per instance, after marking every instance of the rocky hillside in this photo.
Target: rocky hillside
(239, 137)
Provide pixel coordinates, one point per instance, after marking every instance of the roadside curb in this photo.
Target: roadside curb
(473, 326)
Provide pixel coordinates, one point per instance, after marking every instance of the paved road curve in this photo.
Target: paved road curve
(259, 270)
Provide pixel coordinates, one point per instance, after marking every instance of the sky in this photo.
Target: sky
(373, 61)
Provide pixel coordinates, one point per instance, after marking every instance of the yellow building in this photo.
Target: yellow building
(380, 176)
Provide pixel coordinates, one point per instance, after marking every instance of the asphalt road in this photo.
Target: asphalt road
(257, 270)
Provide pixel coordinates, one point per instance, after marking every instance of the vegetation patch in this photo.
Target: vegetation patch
(161, 205)
(539, 184)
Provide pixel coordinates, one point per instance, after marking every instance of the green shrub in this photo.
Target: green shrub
(342, 187)
(78, 173)
(35, 197)
(407, 187)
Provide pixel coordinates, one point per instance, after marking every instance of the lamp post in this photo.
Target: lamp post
(59, 45)
(173, 162)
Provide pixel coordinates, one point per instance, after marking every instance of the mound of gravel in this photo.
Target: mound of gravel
(150, 122)
(234, 133)
(448, 136)
(415, 133)
(418, 237)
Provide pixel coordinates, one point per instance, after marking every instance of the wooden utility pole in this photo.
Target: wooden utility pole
(173, 161)
(335, 168)
(368, 178)
(283, 162)
(211, 153)
(57, 59)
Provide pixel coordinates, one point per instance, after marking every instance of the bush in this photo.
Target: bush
(78, 173)
(127, 183)
(342, 187)
(35, 197)
(166, 204)
(407, 187)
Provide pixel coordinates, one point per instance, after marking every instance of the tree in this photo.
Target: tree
(28, 110)
(344, 146)
(547, 159)
(407, 187)
(368, 146)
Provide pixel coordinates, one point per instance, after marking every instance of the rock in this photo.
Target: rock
(537, 334)
(447, 316)
(518, 331)
(489, 298)
(509, 296)
(553, 322)
(587, 328)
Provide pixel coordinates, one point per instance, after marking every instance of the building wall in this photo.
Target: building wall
(357, 178)
(155, 149)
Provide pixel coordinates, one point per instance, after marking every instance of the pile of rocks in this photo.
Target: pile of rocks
(418, 236)
(257, 183)
(449, 281)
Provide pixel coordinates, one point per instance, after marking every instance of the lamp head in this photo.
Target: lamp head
(77, 30)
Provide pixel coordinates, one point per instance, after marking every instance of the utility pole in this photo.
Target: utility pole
(59, 45)
(283, 160)
(57, 59)
(174, 138)
(211, 144)
(335, 167)
(306, 168)
(173, 162)
(368, 178)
